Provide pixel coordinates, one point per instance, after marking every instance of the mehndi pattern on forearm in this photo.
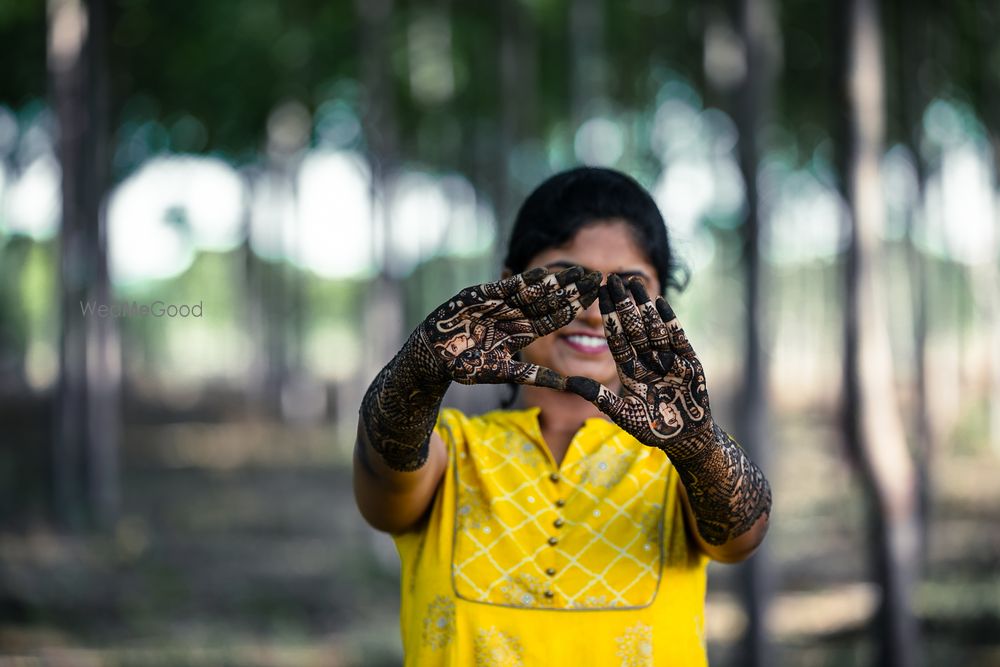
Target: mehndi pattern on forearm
(728, 492)
(401, 406)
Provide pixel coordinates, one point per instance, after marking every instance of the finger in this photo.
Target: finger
(656, 329)
(546, 297)
(606, 400)
(628, 314)
(659, 359)
(570, 275)
(621, 351)
(546, 324)
(678, 339)
(553, 290)
(508, 287)
(535, 375)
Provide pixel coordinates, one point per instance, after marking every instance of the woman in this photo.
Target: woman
(576, 529)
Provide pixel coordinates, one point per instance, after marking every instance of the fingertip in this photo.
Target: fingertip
(604, 298)
(583, 387)
(534, 275)
(664, 309)
(616, 288)
(570, 275)
(588, 284)
(638, 290)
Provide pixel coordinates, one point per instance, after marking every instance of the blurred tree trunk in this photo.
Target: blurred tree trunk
(252, 304)
(873, 423)
(86, 485)
(911, 29)
(759, 33)
(383, 319)
(290, 389)
(989, 106)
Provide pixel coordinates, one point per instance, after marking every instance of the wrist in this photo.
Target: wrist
(694, 444)
(424, 362)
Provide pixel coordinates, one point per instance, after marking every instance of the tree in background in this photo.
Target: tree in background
(759, 33)
(873, 424)
(85, 455)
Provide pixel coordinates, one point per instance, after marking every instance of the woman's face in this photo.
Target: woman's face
(579, 348)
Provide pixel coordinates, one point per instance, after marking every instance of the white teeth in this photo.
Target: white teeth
(589, 342)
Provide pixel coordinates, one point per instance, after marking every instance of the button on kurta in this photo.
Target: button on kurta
(560, 503)
(558, 523)
(551, 571)
(554, 477)
(553, 541)
(549, 594)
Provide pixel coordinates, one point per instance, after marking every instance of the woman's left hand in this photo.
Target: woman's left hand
(665, 400)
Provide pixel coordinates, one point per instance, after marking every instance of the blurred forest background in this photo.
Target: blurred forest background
(316, 176)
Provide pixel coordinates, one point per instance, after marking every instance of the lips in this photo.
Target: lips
(586, 343)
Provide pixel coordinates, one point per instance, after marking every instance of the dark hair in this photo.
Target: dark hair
(571, 200)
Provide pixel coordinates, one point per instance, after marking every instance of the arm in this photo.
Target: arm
(665, 405)
(472, 338)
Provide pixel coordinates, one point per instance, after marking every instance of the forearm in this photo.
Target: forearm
(728, 495)
(400, 407)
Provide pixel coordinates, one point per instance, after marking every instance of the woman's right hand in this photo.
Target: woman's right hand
(474, 336)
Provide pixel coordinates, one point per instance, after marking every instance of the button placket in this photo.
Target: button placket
(551, 555)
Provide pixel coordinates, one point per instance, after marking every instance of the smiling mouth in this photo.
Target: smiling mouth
(586, 344)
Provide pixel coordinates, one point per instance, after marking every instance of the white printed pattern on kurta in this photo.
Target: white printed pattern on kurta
(504, 516)
(496, 648)
(635, 647)
(439, 622)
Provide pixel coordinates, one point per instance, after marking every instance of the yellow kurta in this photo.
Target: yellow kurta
(524, 563)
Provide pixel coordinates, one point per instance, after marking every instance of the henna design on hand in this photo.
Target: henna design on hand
(471, 339)
(665, 405)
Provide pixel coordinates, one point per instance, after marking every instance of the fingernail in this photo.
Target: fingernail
(587, 298)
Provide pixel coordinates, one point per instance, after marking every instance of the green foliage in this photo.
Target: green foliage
(22, 51)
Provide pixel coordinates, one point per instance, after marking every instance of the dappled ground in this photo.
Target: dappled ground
(240, 545)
